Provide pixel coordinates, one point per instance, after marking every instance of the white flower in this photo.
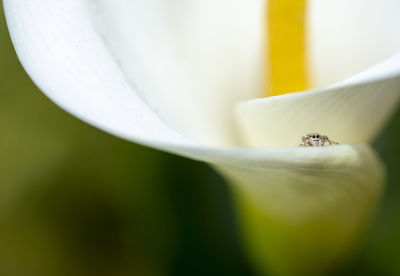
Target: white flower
(183, 76)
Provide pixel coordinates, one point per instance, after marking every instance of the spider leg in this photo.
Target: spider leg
(324, 140)
(304, 143)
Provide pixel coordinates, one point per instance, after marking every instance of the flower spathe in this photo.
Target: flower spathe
(121, 85)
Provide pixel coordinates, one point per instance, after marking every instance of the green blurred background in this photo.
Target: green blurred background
(77, 201)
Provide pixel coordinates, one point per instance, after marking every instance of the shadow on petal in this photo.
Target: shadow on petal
(304, 218)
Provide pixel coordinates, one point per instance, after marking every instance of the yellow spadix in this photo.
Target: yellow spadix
(285, 58)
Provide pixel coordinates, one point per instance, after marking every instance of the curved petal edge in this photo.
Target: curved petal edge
(305, 214)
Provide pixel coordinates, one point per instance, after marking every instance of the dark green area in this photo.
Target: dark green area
(77, 201)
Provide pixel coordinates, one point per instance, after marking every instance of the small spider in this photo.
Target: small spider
(316, 140)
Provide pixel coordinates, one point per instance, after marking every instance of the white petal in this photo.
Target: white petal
(348, 36)
(352, 111)
(61, 51)
(191, 57)
(58, 47)
(302, 213)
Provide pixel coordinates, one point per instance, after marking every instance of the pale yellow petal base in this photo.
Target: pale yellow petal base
(304, 214)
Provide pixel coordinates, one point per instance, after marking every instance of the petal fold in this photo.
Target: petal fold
(351, 111)
(302, 214)
(58, 46)
(286, 189)
(190, 60)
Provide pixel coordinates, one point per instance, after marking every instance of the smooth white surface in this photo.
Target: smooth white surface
(346, 37)
(58, 47)
(192, 57)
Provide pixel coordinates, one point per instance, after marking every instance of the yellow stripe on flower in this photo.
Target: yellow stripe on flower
(286, 68)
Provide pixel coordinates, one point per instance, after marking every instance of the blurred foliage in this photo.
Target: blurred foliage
(77, 201)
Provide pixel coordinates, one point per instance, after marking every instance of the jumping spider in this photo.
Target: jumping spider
(316, 140)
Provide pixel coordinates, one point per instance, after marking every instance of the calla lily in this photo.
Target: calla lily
(184, 77)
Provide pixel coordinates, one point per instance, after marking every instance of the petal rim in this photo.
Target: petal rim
(21, 16)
